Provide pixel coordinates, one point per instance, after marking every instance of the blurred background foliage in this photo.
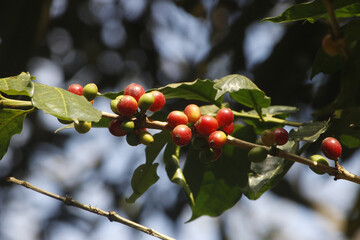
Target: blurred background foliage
(115, 42)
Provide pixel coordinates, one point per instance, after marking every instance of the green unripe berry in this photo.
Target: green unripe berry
(128, 126)
(320, 160)
(113, 104)
(257, 154)
(132, 139)
(90, 91)
(146, 138)
(145, 101)
(82, 126)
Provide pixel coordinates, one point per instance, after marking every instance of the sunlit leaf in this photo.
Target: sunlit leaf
(64, 104)
(310, 11)
(242, 90)
(209, 109)
(309, 132)
(173, 170)
(18, 85)
(201, 90)
(11, 123)
(143, 177)
(352, 10)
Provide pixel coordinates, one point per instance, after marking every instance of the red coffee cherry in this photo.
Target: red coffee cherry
(127, 106)
(159, 101)
(331, 148)
(330, 46)
(135, 90)
(281, 136)
(217, 139)
(225, 117)
(229, 129)
(268, 138)
(116, 129)
(76, 89)
(206, 125)
(181, 135)
(192, 111)
(176, 118)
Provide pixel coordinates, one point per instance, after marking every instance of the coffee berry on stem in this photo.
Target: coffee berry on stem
(331, 148)
(201, 133)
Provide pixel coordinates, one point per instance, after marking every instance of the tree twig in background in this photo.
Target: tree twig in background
(112, 216)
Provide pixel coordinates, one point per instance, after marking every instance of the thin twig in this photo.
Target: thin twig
(339, 172)
(112, 216)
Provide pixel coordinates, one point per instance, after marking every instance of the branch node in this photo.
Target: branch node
(112, 216)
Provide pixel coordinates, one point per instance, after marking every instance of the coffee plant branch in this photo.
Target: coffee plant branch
(338, 172)
(112, 216)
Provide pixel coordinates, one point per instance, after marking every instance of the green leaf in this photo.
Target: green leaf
(18, 85)
(267, 174)
(153, 150)
(209, 109)
(143, 177)
(111, 95)
(276, 110)
(325, 63)
(351, 31)
(310, 11)
(11, 122)
(64, 104)
(102, 123)
(352, 10)
(242, 90)
(217, 186)
(346, 125)
(350, 141)
(309, 132)
(201, 90)
(173, 170)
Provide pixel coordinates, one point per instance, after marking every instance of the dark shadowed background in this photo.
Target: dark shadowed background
(115, 42)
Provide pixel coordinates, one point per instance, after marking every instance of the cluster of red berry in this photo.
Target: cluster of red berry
(127, 106)
(208, 134)
(89, 91)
